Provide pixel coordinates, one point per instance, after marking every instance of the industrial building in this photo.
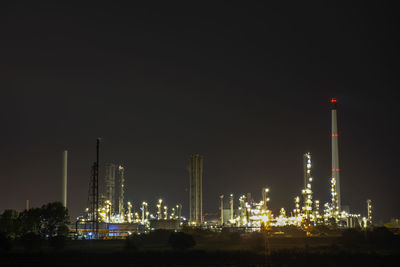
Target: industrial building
(307, 211)
(111, 211)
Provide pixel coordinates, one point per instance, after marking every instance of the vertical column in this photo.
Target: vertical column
(121, 208)
(196, 190)
(369, 210)
(335, 154)
(222, 209)
(231, 204)
(64, 178)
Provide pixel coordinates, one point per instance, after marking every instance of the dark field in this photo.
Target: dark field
(198, 258)
(229, 249)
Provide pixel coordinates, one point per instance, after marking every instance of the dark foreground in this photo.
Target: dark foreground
(198, 258)
(379, 247)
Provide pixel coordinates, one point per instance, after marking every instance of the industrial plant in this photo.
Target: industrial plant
(109, 215)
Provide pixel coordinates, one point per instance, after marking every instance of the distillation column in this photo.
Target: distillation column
(109, 181)
(369, 212)
(307, 191)
(121, 192)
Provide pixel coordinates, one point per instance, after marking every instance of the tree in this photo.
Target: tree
(54, 219)
(30, 221)
(49, 220)
(9, 223)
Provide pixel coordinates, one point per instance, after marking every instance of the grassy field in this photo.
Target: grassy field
(210, 249)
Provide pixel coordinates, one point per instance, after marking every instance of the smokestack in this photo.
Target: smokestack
(335, 153)
(27, 204)
(64, 179)
(196, 189)
(222, 209)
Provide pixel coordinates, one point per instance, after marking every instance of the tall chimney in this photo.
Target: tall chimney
(64, 179)
(335, 153)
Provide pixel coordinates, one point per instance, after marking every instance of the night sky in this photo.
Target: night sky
(245, 85)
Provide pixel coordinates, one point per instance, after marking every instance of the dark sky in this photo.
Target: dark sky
(246, 85)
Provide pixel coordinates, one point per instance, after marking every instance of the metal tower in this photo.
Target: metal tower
(335, 155)
(94, 194)
(196, 190)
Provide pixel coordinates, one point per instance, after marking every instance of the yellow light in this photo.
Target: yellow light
(264, 218)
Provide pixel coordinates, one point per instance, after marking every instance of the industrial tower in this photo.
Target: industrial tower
(335, 158)
(307, 191)
(109, 181)
(196, 190)
(94, 194)
(121, 208)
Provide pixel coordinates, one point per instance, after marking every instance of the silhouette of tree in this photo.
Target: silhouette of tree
(49, 220)
(30, 221)
(54, 217)
(9, 223)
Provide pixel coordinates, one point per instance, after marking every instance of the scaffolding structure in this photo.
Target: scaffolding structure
(93, 212)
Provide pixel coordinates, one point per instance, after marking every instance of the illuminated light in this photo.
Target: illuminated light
(264, 218)
(333, 100)
(336, 135)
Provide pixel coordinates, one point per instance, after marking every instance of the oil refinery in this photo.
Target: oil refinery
(108, 214)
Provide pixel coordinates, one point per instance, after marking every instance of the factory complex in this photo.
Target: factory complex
(108, 215)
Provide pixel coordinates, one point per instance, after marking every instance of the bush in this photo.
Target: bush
(31, 241)
(181, 241)
(63, 230)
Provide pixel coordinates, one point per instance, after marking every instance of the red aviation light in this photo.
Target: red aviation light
(333, 103)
